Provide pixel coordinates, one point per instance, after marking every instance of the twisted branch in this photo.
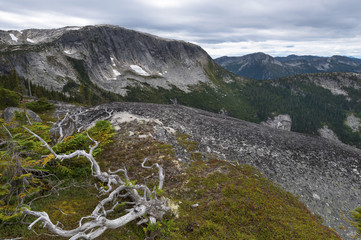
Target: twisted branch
(97, 221)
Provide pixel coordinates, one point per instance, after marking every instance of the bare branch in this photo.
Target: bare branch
(160, 172)
(3, 143)
(7, 130)
(27, 117)
(116, 188)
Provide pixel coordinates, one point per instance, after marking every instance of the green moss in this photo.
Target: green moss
(233, 202)
(187, 142)
(236, 202)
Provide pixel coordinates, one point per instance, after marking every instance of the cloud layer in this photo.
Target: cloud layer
(228, 27)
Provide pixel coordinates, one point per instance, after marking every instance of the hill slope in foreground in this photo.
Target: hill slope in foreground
(215, 194)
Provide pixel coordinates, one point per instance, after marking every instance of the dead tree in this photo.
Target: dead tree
(146, 207)
(71, 123)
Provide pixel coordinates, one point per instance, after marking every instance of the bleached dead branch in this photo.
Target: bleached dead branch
(97, 222)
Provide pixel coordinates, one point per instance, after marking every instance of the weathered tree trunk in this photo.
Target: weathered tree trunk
(147, 205)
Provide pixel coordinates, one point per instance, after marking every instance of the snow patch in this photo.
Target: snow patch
(73, 28)
(30, 40)
(113, 63)
(243, 66)
(139, 70)
(116, 73)
(69, 51)
(13, 37)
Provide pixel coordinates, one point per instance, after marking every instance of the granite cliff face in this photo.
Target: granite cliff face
(324, 173)
(109, 56)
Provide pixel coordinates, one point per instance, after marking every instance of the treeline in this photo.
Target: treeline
(310, 106)
(86, 92)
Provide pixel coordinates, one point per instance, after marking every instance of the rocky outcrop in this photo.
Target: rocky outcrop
(325, 174)
(9, 114)
(282, 121)
(327, 133)
(111, 57)
(353, 122)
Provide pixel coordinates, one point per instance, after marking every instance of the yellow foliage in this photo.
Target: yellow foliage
(47, 159)
(21, 195)
(68, 138)
(22, 176)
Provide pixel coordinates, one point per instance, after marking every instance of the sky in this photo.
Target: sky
(221, 27)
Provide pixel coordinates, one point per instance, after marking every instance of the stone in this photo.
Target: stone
(282, 121)
(353, 122)
(307, 166)
(327, 133)
(9, 114)
(120, 58)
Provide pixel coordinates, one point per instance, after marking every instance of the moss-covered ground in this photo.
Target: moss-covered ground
(210, 198)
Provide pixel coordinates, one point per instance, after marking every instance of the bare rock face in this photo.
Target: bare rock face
(9, 114)
(327, 133)
(353, 122)
(111, 56)
(325, 175)
(282, 121)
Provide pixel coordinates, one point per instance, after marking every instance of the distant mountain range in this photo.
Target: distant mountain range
(261, 66)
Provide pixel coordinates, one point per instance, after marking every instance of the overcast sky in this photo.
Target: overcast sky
(221, 27)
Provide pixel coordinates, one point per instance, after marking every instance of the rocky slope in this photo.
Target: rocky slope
(109, 56)
(262, 66)
(325, 174)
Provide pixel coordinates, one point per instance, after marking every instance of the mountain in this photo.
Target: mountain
(76, 65)
(110, 57)
(262, 66)
(97, 64)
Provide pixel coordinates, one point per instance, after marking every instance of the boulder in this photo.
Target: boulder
(327, 133)
(282, 121)
(9, 114)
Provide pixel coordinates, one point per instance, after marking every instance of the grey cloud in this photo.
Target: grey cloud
(208, 21)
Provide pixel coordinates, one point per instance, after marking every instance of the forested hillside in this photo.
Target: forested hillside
(309, 99)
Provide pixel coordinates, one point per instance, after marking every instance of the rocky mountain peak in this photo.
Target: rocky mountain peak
(109, 56)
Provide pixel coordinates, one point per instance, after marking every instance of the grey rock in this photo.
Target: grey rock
(327, 133)
(282, 121)
(353, 122)
(113, 57)
(9, 114)
(325, 174)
